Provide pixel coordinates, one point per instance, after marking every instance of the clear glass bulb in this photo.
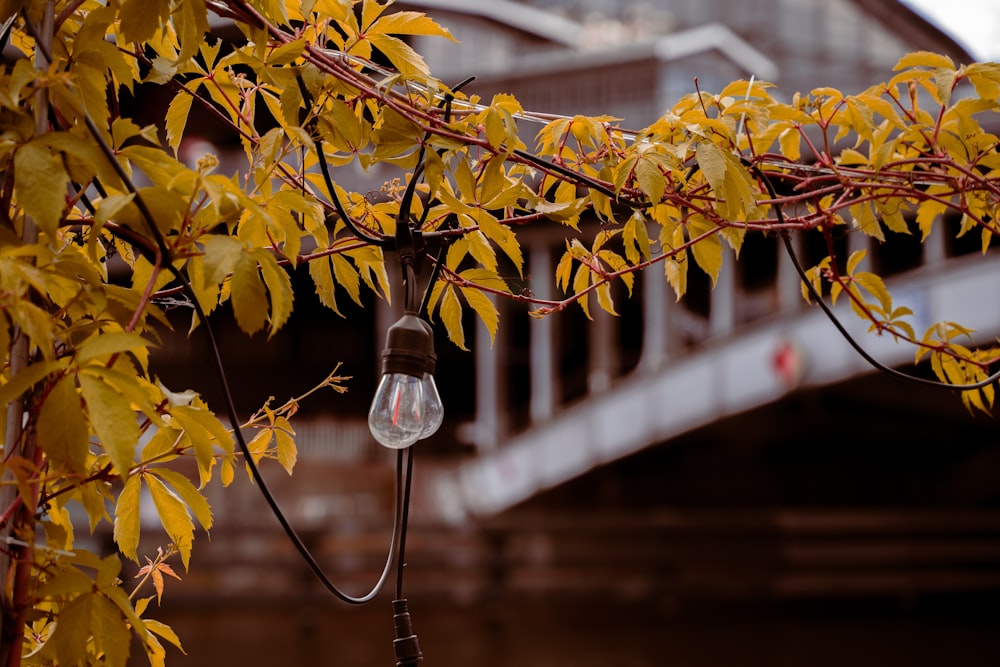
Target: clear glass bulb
(396, 418)
(433, 409)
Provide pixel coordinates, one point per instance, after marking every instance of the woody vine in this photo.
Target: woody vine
(85, 186)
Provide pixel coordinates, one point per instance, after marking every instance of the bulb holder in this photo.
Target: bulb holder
(406, 406)
(409, 347)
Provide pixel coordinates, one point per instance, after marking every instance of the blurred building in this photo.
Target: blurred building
(696, 483)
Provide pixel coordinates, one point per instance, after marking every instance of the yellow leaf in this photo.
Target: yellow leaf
(790, 141)
(347, 277)
(485, 308)
(371, 266)
(183, 487)
(205, 433)
(155, 653)
(707, 251)
(190, 20)
(867, 221)
(407, 62)
(286, 450)
(944, 81)
(130, 385)
(105, 344)
(482, 250)
(164, 631)
(40, 184)
(93, 498)
(343, 128)
(852, 262)
(451, 316)
(126, 532)
(835, 291)
(930, 211)
(567, 213)
(395, 137)
(62, 429)
(110, 632)
(604, 298)
(651, 180)
(712, 163)
(734, 236)
(174, 517)
(581, 281)
(279, 288)
(248, 295)
(924, 59)
(227, 473)
(140, 19)
(322, 277)
(409, 23)
(113, 420)
(496, 130)
(564, 271)
(69, 641)
(985, 77)
(27, 378)
(502, 236)
(676, 273)
(894, 218)
(635, 236)
(176, 119)
(486, 278)
(876, 286)
(59, 531)
(259, 444)
(497, 191)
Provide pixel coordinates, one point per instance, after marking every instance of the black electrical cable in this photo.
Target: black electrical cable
(324, 167)
(435, 271)
(223, 380)
(262, 484)
(406, 645)
(816, 296)
(404, 520)
(265, 491)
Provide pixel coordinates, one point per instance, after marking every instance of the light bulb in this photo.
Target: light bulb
(433, 408)
(396, 418)
(407, 406)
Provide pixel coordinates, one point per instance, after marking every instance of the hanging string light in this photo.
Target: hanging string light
(406, 406)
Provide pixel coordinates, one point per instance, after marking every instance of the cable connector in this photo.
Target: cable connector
(406, 645)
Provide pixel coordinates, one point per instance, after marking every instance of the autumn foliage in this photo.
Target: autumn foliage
(88, 195)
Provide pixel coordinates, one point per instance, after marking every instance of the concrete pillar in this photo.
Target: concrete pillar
(789, 283)
(489, 387)
(722, 310)
(858, 241)
(656, 300)
(602, 349)
(542, 372)
(934, 250)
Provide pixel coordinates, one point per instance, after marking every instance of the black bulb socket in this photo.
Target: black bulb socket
(409, 347)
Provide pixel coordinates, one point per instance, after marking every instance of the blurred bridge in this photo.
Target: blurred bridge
(753, 346)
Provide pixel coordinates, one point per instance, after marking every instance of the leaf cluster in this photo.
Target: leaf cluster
(102, 219)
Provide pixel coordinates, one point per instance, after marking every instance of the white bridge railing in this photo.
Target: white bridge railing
(735, 371)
